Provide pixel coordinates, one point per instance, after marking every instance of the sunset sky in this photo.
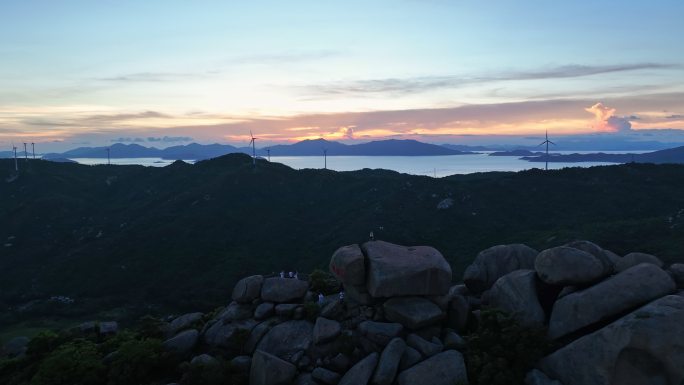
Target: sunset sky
(88, 73)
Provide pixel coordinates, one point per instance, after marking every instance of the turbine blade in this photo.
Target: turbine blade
(552, 142)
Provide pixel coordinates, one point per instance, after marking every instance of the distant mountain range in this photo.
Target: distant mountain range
(316, 147)
(672, 155)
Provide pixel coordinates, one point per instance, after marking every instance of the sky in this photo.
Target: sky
(161, 73)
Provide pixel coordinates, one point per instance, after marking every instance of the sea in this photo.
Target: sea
(435, 166)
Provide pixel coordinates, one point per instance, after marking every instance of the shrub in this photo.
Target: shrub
(323, 282)
(77, 362)
(140, 362)
(501, 352)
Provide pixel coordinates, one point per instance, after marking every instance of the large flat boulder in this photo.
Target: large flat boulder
(347, 265)
(446, 368)
(567, 266)
(360, 373)
(287, 338)
(395, 270)
(389, 362)
(633, 259)
(380, 332)
(646, 347)
(325, 330)
(516, 293)
(602, 255)
(248, 289)
(268, 369)
(183, 342)
(495, 262)
(283, 290)
(228, 335)
(622, 292)
(412, 312)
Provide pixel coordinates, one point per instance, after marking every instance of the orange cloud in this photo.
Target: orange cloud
(606, 121)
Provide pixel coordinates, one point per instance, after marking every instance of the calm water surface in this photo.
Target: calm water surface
(417, 165)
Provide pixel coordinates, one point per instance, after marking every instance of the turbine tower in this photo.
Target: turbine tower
(325, 158)
(268, 150)
(546, 142)
(33, 147)
(108, 157)
(25, 152)
(16, 165)
(253, 143)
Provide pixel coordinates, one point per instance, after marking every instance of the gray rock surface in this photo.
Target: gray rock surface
(389, 362)
(677, 273)
(622, 292)
(286, 309)
(325, 330)
(264, 310)
(410, 357)
(596, 251)
(424, 347)
(183, 342)
(446, 368)
(283, 290)
(348, 266)
(360, 373)
(182, 322)
(457, 314)
(633, 259)
(412, 312)
(287, 338)
(204, 359)
(516, 293)
(568, 266)
(380, 332)
(228, 335)
(236, 311)
(248, 289)
(241, 363)
(646, 347)
(495, 262)
(268, 369)
(454, 341)
(395, 270)
(325, 376)
(537, 377)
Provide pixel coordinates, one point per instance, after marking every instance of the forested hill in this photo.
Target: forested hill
(179, 236)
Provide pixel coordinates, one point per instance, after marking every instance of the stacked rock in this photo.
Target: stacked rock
(400, 322)
(614, 316)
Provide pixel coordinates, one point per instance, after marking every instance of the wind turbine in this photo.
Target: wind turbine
(268, 150)
(253, 143)
(325, 158)
(16, 165)
(546, 142)
(25, 152)
(33, 147)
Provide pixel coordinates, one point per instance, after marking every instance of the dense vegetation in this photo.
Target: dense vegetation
(135, 356)
(132, 240)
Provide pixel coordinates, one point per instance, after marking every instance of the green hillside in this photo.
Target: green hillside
(154, 240)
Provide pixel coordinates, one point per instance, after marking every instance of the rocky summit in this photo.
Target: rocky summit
(397, 318)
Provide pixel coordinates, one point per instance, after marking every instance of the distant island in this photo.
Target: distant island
(316, 147)
(516, 153)
(672, 155)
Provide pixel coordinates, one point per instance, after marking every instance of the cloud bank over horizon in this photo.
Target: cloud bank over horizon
(433, 71)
